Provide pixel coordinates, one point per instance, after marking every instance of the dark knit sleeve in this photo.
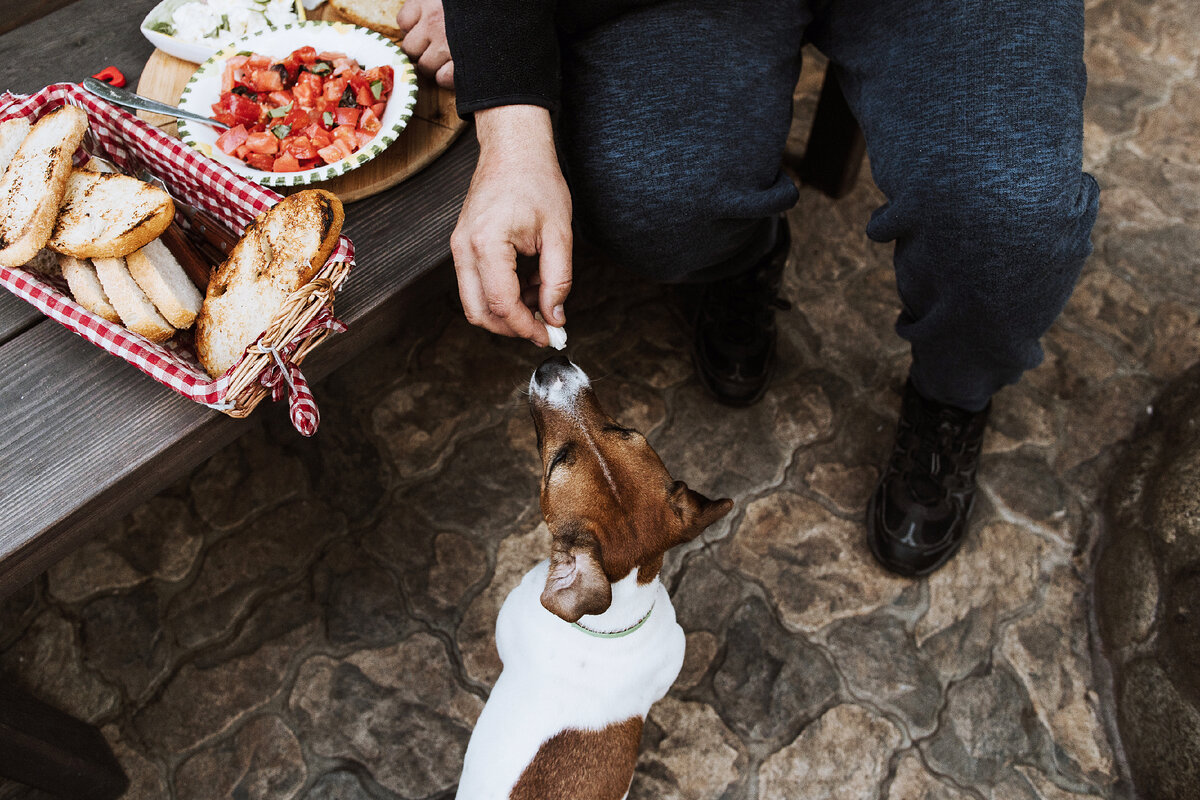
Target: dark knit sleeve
(505, 52)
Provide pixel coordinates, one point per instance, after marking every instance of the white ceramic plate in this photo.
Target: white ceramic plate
(196, 52)
(370, 49)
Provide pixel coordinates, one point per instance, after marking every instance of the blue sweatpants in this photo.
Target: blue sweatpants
(675, 115)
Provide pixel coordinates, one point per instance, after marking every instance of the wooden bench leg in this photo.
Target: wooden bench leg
(43, 747)
(835, 146)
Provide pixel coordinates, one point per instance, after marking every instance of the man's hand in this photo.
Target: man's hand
(518, 204)
(424, 27)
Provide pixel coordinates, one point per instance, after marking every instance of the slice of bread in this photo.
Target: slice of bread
(378, 15)
(135, 309)
(166, 284)
(279, 252)
(12, 134)
(34, 182)
(105, 215)
(85, 287)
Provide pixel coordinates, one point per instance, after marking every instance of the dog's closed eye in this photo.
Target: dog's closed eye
(560, 457)
(627, 433)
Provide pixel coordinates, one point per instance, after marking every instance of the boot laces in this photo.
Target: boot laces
(937, 452)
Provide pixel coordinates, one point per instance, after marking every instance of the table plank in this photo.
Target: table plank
(15, 315)
(15, 13)
(74, 42)
(113, 437)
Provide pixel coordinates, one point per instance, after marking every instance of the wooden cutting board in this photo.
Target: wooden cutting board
(431, 129)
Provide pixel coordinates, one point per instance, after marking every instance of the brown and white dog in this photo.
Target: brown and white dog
(588, 638)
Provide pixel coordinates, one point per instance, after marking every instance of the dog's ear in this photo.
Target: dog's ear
(695, 511)
(576, 584)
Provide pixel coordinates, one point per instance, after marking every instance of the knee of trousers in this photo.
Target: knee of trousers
(669, 224)
(659, 240)
(1008, 259)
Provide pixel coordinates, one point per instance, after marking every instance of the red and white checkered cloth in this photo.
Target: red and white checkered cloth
(200, 182)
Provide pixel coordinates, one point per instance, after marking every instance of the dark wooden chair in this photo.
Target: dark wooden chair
(835, 149)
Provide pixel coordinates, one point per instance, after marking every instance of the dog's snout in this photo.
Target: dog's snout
(557, 382)
(550, 368)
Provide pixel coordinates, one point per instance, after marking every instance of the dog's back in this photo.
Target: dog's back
(563, 695)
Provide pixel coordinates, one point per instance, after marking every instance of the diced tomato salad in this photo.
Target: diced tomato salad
(305, 111)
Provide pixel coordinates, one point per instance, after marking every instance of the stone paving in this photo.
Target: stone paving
(313, 619)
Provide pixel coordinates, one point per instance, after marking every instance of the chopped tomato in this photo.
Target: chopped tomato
(369, 122)
(334, 88)
(263, 142)
(300, 147)
(265, 80)
(286, 163)
(230, 140)
(385, 74)
(296, 112)
(305, 94)
(321, 138)
(261, 161)
(335, 152)
(234, 109)
(345, 133)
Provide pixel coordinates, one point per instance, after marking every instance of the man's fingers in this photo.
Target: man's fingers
(409, 16)
(555, 272)
(432, 60)
(445, 75)
(415, 42)
(497, 270)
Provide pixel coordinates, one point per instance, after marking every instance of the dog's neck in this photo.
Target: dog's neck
(632, 603)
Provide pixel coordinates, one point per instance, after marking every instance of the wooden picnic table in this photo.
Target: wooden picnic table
(85, 436)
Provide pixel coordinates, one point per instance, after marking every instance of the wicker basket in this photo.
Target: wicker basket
(246, 389)
(269, 366)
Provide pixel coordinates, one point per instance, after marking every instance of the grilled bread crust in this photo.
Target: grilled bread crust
(163, 280)
(378, 15)
(12, 134)
(107, 215)
(137, 313)
(278, 253)
(85, 287)
(34, 183)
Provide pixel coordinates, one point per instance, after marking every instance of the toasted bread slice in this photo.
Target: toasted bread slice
(135, 309)
(12, 134)
(105, 215)
(279, 252)
(85, 287)
(378, 15)
(34, 182)
(163, 280)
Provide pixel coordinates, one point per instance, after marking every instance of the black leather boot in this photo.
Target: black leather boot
(734, 345)
(917, 518)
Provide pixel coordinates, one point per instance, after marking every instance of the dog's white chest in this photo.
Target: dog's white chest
(558, 677)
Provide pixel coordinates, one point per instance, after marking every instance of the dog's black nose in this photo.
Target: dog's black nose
(554, 365)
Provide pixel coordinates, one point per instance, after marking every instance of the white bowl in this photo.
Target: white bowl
(370, 49)
(195, 52)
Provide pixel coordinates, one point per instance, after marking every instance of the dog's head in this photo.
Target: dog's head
(609, 502)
